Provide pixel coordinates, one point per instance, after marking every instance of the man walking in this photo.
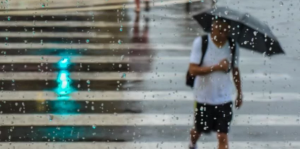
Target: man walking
(213, 86)
(203, 4)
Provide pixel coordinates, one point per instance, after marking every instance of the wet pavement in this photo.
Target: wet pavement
(110, 76)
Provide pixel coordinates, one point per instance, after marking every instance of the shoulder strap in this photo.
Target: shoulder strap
(233, 48)
(204, 47)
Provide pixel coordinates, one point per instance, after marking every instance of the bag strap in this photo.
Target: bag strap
(233, 49)
(204, 47)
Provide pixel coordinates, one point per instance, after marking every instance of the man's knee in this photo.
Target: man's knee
(222, 137)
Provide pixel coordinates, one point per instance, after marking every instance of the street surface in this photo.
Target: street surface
(86, 75)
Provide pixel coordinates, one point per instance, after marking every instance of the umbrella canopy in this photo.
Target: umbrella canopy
(248, 31)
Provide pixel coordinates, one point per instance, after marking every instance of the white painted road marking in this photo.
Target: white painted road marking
(174, 76)
(114, 59)
(150, 145)
(95, 8)
(139, 119)
(140, 96)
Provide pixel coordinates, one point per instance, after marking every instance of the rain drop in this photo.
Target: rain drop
(50, 117)
(255, 33)
(123, 75)
(281, 3)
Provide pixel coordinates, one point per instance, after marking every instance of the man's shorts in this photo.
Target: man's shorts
(215, 118)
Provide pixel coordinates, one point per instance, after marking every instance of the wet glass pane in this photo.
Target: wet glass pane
(149, 74)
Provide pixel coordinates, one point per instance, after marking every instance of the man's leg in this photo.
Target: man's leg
(202, 121)
(213, 3)
(224, 118)
(137, 2)
(147, 8)
(187, 6)
(194, 134)
(223, 141)
(194, 137)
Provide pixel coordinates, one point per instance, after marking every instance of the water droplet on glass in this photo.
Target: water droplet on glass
(50, 117)
(255, 33)
(281, 3)
(123, 75)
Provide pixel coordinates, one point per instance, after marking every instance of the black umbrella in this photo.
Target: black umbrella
(248, 31)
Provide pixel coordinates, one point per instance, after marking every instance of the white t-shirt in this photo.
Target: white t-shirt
(214, 88)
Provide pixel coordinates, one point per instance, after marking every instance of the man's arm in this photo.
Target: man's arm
(237, 80)
(195, 69)
(236, 72)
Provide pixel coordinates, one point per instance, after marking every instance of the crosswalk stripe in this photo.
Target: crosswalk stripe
(130, 76)
(33, 4)
(88, 46)
(111, 59)
(139, 119)
(57, 34)
(95, 8)
(83, 35)
(78, 24)
(140, 96)
(104, 46)
(151, 145)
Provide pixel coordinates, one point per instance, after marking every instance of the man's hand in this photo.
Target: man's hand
(223, 65)
(239, 101)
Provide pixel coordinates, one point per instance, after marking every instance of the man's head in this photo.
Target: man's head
(220, 29)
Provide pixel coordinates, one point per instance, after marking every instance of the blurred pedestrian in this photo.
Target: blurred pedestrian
(138, 8)
(203, 4)
(212, 87)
